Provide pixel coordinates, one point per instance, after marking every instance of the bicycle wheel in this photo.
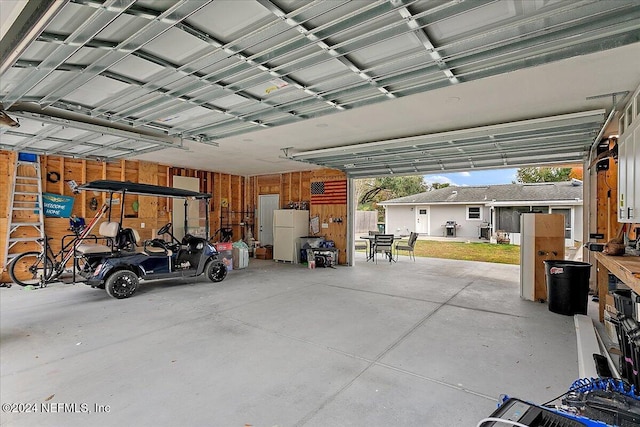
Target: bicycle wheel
(83, 267)
(28, 268)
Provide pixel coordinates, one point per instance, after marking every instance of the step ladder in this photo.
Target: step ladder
(26, 205)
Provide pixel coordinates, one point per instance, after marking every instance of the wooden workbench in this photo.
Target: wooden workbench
(625, 268)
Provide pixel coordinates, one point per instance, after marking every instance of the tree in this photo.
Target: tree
(439, 185)
(370, 191)
(576, 172)
(542, 174)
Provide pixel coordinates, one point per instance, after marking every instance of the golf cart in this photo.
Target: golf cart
(119, 267)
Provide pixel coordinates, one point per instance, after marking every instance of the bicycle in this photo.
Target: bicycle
(44, 266)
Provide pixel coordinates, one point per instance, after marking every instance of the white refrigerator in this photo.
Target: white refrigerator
(288, 226)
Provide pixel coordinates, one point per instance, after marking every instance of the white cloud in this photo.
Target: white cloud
(440, 179)
(465, 174)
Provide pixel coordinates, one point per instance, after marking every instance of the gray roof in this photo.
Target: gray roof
(542, 192)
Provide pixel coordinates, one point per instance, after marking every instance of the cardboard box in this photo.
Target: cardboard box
(226, 254)
(609, 304)
(265, 252)
(240, 258)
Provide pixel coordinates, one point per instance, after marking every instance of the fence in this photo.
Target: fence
(365, 221)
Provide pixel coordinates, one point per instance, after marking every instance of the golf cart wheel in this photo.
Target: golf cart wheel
(216, 271)
(121, 284)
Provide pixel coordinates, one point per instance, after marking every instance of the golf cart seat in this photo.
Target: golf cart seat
(108, 231)
(128, 239)
(157, 247)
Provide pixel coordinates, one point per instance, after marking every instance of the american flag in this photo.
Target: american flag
(329, 192)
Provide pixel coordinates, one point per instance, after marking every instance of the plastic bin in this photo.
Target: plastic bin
(623, 302)
(567, 286)
(27, 157)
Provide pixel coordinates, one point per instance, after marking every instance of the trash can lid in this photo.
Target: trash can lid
(566, 263)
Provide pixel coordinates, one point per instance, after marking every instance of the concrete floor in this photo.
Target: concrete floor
(430, 343)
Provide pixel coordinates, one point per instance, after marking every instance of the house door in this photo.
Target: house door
(422, 220)
(267, 203)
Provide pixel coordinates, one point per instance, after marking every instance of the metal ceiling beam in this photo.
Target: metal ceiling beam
(542, 15)
(478, 154)
(554, 37)
(569, 135)
(171, 95)
(426, 42)
(62, 143)
(337, 54)
(164, 141)
(32, 20)
(100, 19)
(129, 114)
(167, 19)
(380, 34)
(592, 116)
(562, 158)
(44, 134)
(215, 43)
(203, 36)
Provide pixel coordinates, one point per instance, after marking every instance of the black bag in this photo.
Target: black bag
(126, 240)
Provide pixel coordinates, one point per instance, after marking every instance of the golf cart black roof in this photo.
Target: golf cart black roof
(142, 189)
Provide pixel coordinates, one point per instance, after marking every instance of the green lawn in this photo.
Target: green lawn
(487, 252)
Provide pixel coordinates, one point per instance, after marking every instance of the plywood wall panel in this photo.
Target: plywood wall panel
(7, 160)
(240, 192)
(53, 165)
(3, 244)
(607, 200)
(335, 216)
(148, 205)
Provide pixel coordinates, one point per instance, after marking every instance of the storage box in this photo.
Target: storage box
(265, 252)
(27, 157)
(226, 254)
(610, 323)
(609, 304)
(623, 303)
(240, 258)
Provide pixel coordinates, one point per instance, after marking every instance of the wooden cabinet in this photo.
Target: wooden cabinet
(542, 238)
(629, 163)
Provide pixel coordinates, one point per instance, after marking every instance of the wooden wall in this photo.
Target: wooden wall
(234, 202)
(7, 160)
(296, 187)
(607, 200)
(228, 206)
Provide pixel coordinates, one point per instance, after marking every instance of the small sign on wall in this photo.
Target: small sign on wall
(57, 206)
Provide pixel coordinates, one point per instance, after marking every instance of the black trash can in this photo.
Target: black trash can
(567, 286)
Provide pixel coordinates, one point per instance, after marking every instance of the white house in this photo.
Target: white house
(475, 212)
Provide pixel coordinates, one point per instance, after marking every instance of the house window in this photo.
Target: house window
(474, 212)
(508, 218)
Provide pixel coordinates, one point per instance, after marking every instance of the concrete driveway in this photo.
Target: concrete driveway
(430, 343)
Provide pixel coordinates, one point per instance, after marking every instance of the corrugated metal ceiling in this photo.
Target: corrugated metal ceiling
(201, 71)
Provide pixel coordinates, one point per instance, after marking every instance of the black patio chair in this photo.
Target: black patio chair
(383, 244)
(408, 246)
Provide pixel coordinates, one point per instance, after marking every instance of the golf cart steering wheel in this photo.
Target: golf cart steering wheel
(164, 229)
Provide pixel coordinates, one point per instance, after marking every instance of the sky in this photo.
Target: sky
(479, 177)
